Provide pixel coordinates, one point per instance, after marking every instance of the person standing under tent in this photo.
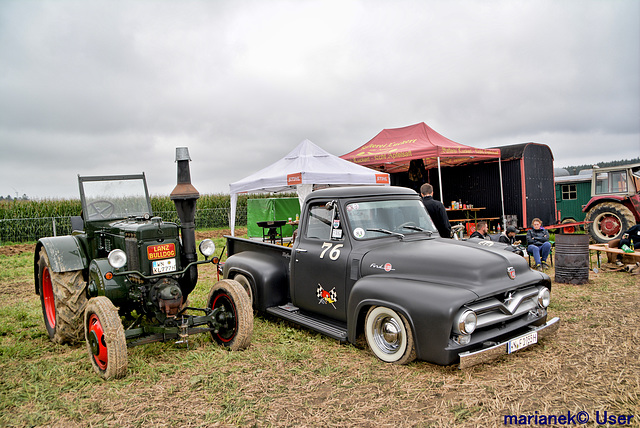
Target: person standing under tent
(436, 210)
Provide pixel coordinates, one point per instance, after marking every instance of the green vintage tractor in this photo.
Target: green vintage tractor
(123, 265)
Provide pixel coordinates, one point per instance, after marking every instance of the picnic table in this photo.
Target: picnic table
(605, 248)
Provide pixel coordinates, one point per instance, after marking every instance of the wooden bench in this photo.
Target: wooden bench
(604, 247)
(487, 219)
(464, 220)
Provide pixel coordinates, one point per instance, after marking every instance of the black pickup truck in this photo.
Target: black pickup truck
(369, 260)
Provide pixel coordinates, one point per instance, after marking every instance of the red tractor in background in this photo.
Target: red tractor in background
(615, 202)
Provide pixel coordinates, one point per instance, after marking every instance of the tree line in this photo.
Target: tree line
(574, 170)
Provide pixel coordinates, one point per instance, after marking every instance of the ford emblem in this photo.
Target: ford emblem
(511, 272)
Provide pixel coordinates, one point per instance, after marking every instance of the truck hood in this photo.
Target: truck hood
(482, 267)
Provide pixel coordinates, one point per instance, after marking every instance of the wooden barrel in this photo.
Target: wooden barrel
(572, 259)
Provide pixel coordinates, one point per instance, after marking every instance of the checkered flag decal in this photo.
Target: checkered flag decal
(325, 297)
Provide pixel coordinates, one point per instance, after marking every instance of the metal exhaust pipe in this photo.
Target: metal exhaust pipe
(184, 196)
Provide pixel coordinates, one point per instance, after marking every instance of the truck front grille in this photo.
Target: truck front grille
(499, 309)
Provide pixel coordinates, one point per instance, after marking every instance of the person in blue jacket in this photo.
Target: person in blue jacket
(538, 244)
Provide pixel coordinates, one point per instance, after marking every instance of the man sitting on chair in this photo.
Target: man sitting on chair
(482, 231)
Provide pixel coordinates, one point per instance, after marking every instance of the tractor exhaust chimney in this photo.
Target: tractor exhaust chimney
(184, 196)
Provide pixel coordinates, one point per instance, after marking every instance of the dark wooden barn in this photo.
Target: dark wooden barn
(527, 178)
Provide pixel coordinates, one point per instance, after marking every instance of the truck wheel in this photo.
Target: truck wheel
(234, 325)
(63, 298)
(389, 336)
(106, 342)
(609, 221)
(244, 281)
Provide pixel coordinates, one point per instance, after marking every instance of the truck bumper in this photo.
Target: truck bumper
(468, 359)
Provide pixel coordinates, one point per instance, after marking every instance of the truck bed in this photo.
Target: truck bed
(237, 245)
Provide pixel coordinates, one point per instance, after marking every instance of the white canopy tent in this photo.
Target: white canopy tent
(298, 171)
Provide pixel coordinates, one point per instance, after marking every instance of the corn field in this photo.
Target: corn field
(27, 221)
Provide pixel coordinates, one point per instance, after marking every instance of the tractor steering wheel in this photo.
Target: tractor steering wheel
(103, 208)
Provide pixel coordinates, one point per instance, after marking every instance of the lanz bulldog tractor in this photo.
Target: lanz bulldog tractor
(121, 264)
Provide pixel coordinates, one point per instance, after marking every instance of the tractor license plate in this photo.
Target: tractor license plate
(162, 266)
(522, 342)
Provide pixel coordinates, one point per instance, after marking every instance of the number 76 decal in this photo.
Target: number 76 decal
(334, 254)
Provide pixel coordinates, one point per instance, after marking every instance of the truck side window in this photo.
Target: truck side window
(318, 222)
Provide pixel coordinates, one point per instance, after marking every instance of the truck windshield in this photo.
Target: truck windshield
(405, 216)
(106, 199)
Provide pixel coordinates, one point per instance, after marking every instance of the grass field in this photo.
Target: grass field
(294, 377)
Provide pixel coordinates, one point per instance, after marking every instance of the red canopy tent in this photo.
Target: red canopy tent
(392, 150)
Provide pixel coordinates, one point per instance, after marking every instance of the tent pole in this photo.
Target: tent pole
(232, 214)
(440, 180)
(503, 219)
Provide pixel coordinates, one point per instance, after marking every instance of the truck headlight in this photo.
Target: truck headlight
(207, 247)
(117, 259)
(466, 322)
(544, 297)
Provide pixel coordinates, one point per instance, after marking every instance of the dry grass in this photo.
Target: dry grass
(293, 377)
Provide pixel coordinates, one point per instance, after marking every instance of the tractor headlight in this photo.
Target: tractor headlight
(466, 322)
(207, 247)
(117, 259)
(544, 297)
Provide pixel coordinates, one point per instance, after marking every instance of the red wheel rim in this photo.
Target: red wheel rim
(610, 225)
(97, 342)
(570, 229)
(226, 335)
(47, 298)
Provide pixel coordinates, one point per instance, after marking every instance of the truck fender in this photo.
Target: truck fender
(269, 280)
(428, 307)
(65, 254)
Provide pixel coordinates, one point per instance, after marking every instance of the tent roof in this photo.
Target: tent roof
(307, 164)
(303, 167)
(393, 149)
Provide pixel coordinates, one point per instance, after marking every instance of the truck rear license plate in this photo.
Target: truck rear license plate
(162, 266)
(522, 342)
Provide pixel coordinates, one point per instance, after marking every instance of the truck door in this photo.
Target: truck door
(319, 262)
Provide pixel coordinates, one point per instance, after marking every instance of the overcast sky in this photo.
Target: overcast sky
(113, 87)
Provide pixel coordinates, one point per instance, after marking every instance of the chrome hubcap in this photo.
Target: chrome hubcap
(387, 334)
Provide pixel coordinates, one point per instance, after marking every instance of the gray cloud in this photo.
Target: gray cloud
(107, 87)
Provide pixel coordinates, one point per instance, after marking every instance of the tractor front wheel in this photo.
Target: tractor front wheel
(106, 342)
(244, 281)
(63, 298)
(234, 319)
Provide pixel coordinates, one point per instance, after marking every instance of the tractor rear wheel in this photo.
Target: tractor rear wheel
(608, 221)
(234, 321)
(63, 298)
(106, 342)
